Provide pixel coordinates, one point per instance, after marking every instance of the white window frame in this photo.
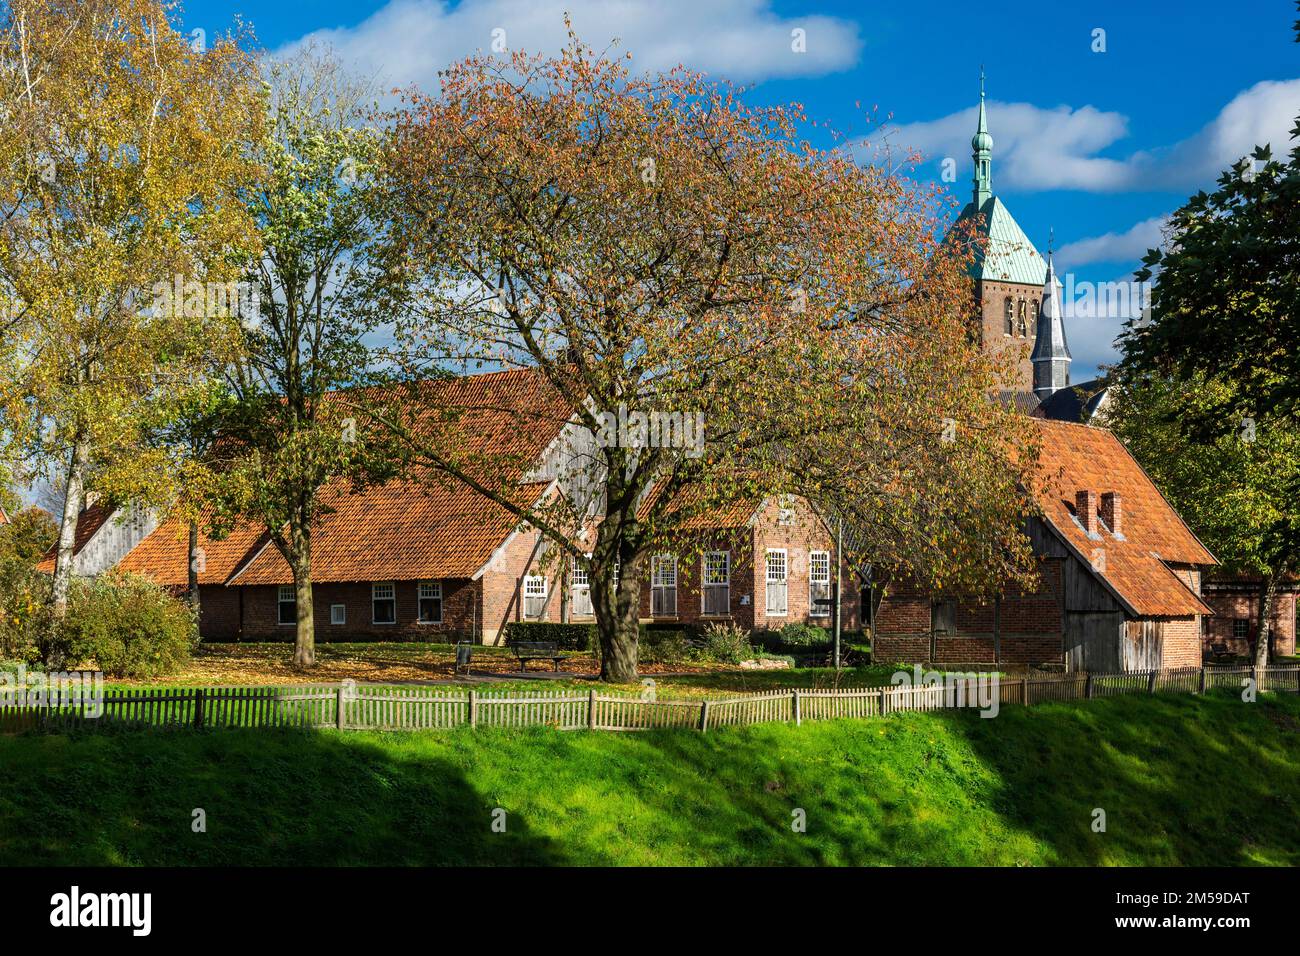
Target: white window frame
(533, 589)
(280, 602)
(377, 595)
(814, 582)
(579, 590)
(428, 591)
(338, 613)
(720, 585)
(782, 582)
(662, 589)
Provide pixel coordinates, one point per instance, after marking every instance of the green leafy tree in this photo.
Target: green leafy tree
(121, 163)
(288, 433)
(1237, 491)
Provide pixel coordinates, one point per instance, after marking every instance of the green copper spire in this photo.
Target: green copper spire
(982, 146)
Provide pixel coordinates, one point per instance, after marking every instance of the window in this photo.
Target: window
(819, 583)
(1008, 317)
(534, 597)
(716, 582)
(777, 590)
(430, 602)
(579, 590)
(1241, 628)
(943, 617)
(663, 585)
(1033, 310)
(1021, 329)
(338, 614)
(383, 603)
(288, 602)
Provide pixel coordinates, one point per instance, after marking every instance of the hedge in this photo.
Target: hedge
(569, 637)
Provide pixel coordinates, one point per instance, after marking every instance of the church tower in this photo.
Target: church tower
(1051, 358)
(1009, 272)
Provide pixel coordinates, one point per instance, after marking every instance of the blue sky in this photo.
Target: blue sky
(1098, 146)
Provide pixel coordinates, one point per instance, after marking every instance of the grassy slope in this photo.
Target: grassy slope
(1183, 780)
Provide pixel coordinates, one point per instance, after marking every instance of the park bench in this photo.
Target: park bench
(527, 651)
(1220, 651)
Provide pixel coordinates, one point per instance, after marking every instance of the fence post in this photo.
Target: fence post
(473, 709)
(1024, 691)
(198, 708)
(591, 710)
(1087, 687)
(1254, 677)
(1202, 687)
(340, 718)
(798, 717)
(1151, 682)
(704, 716)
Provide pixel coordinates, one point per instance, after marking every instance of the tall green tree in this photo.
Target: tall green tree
(1237, 491)
(122, 156)
(309, 339)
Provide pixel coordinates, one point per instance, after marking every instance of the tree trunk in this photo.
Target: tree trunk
(196, 559)
(74, 495)
(617, 607)
(304, 645)
(1264, 628)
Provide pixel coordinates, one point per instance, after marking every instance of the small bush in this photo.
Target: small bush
(569, 637)
(726, 643)
(795, 638)
(663, 645)
(25, 620)
(126, 626)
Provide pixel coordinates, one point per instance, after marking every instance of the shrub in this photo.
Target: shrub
(663, 645)
(795, 638)
(569, 637)
(726, 643)
(125, 625)
(25, 620)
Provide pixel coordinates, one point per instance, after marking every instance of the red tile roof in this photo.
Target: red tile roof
(499, 423)
(1083, 458)
(164, 554)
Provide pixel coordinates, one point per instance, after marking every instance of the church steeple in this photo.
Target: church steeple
(982, 152)
(1051, 357)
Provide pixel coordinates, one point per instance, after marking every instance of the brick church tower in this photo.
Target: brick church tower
(1009, 273)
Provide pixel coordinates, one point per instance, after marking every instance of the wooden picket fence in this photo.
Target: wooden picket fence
(350, 706)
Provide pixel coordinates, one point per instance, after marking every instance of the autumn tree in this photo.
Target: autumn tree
(655, 247)
(308, 341)
(121, 159)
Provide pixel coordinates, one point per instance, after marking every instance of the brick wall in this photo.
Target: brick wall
(1232, 602)
(502, 584)
(803, 534)
(218, 613)
(459, 605)
(1181, 642)
(991, 327)
(1029, 626)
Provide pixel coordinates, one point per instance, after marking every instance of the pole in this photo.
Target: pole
(839, 563)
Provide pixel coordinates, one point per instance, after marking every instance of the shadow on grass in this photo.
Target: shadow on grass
(270, 797)
(1183, 781)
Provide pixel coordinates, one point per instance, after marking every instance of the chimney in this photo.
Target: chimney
(1112, 512)
(1085, 509)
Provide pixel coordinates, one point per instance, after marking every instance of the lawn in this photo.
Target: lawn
(1184, 780)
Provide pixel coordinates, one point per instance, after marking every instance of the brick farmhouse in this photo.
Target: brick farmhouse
(1119, 582)
(439, 561)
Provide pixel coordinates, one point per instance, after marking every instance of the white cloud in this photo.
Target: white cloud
(408, 41)
(1125, 246)
(1038, 149)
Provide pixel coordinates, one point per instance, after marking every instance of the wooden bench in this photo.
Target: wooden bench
(527, 651)
(1220, 651)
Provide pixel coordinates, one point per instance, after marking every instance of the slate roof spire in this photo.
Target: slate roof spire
(1051, 357)
(982, 152)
